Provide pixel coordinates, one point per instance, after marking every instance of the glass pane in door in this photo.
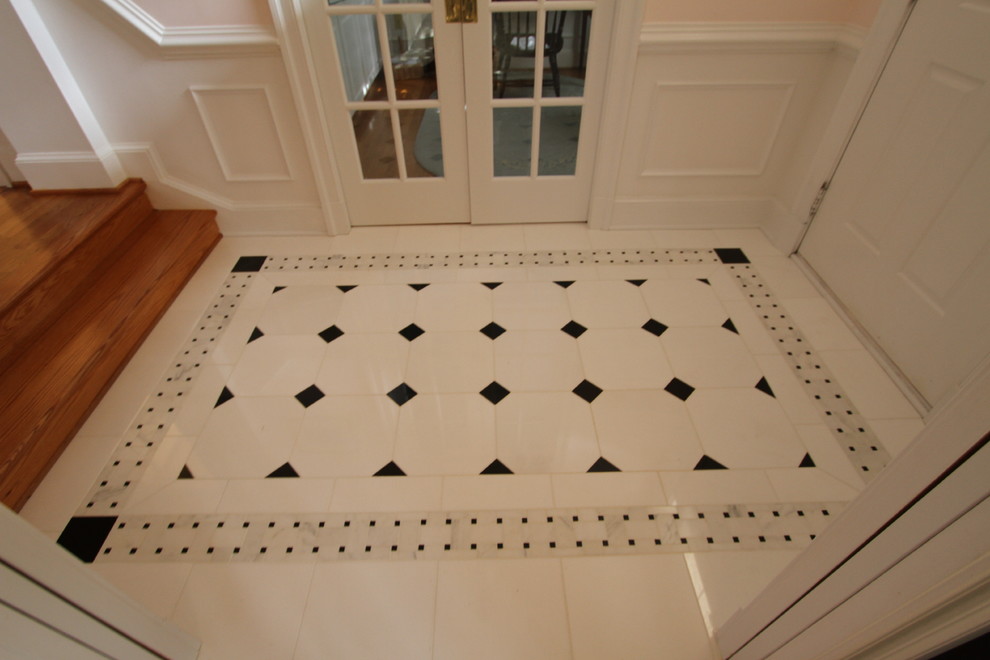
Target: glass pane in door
(410, 43)
(376, 144)
(513, 140)
(356, 37)
(514, 43)
(569, 31)
(560, 128)
(421, 142)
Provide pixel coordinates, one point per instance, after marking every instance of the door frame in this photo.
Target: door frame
(300, 68)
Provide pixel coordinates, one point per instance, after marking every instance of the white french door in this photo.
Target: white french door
(493, 121)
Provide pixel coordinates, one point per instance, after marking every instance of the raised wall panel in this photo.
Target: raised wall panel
(243, 131)
(713, 129)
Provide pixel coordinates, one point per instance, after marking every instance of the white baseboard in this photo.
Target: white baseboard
(70, 170)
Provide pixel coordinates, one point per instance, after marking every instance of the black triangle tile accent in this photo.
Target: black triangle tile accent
(709, 463)
(185, 473)
(83, 536)
(402, 394)
(574, 329)
(764, 387)
(564, 283)
(248, 265)
(655, 327)
(331, 333)
(730, 326)
(283, 471)
(346, 287)
(587, 390)
(419, 287)
(411, 331)
(492, 330)
(492, 285)
(225, 396)
(497, 467)
(807, 461)
(494, 392)
(255, 334)
(637, 282)
(602, 465)
(309, 396)
(731, 256)
(390, 470)
(679, 388)
(277, 289)
(704, 280)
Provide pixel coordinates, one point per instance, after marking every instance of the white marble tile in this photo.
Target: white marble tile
(718, 487)
(454, 306)
(751, 241)
(191, 416)
(821, 325)
(897, 434)
(497, 491)
(608, 489)
(511, 608)
(164, 467)
(622, 358)
(486, 274)
(301, 310)
(568, 273)
(710, 357)
(428, 238)
(372, 363)
(546, 432)
(614, 304)
(369, 610)
(828, 455)
(557, 236)
(634, 607)
(868, 385)
(440, 434)
(278, 495)
(387, 494)
(633, 272)
(744, 428)
(621, 238)
(788, 390)
(686, 238)
(750, 328)
(181, 496)
(377, 308)
(725, 285)
(645, 430)
(683, 302)
(244, 610)
(278, 365)
(346, 436)
(157, 586)
(366, 240)
(450, 362)
(784, 278)
(502, 238)
(809, 485)
(530, 306)
(537, 360)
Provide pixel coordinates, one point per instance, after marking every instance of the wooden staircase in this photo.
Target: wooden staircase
(83, 279)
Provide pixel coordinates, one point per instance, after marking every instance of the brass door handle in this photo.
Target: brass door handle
(462, 11)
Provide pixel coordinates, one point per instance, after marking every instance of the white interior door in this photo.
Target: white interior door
(903, 237)
(488, 122)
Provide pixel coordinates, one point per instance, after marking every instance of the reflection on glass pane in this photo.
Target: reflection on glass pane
(513, 53)
(512, 140)
(565, 53)
(345, 3)
(410, 43)
(560, 128)
(376, 145)
(360, 60)
(572, 63)
(421, 142)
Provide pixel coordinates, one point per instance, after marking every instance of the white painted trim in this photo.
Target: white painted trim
(749, 37)
(196, 42)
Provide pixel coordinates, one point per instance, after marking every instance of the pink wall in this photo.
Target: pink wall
(183, 13)
(856, 12)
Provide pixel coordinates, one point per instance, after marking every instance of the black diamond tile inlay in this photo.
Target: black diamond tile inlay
(85, 535)
(587, 390)
(704, 280)
(709, 463)
(346, 287)
(731, 256)
(492, 285)
(277, 289)
(185, 473)
(602, 465)
(574, 329)
(496, 467)
(564, 283)
(764, 387)
(494, 392)
(679, 388)
(419, 287)
(730, 326)
(255, 334)
(492, 330)
(655, 327)
(309, 396)
(411, 331)
(637, 282)
(402, 394)
(248, 265)
(390, 470)
(225, 396)
(331, 333)
(283, 471)
(807, 461)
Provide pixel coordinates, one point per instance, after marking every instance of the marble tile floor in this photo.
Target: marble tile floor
(443, 442)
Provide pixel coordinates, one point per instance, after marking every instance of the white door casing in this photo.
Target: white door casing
(902, 237)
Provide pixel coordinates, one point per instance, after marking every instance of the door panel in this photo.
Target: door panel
(902, 237)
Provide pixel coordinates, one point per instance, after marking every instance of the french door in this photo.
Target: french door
(490, 121)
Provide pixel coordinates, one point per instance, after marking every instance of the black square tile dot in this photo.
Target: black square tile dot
(494, 392)
(402, 393)
(248, 265)
(411, 331)
(85, 535)
(331, 333)
(731, 256)
(679, 388)
(587, 390)
(310, 395)
(492, 330)
(655, 327)
(574, 329)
